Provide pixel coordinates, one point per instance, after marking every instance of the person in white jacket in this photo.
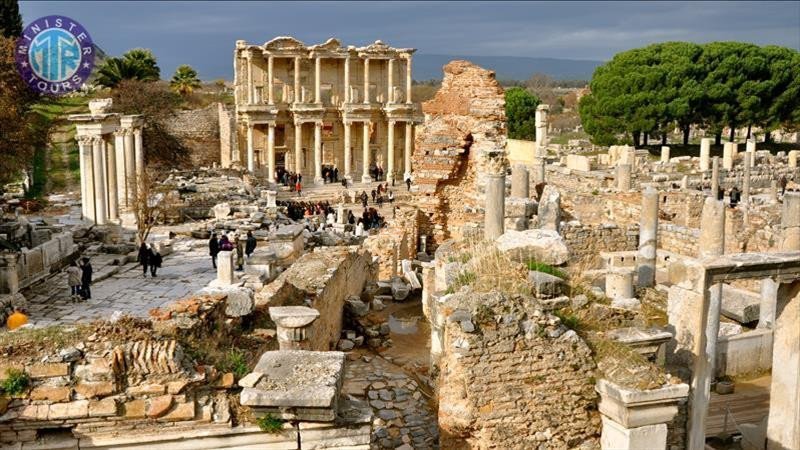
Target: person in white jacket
(74, 279)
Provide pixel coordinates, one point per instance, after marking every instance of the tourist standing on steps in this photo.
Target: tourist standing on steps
(408, 183)
(144, 255)
(374, 195)
(86, 279)
(155, 261)
(298, 187)
(391, 198)
(250, 245)
(74, 279)
(239, 253)
(213, 249)
(364, 198)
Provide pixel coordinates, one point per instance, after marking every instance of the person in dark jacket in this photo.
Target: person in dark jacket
(250, 244)
(239, 245)
(155, 261)
(408, 183)
(364, 198)
(144, 255)
(213, 249)
(86, 279)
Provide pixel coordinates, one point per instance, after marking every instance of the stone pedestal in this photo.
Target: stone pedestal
(794, 155)
(648, 229)
(520, 184)
(705, 153)
(728, 155)
(9, 277)
(539, 168)
(712, 243)
(494, 212)
(294, 325)
(624, 177)
(271, 196)
(225, 265)
(664, 154)
(619, 283)
(634, 419)
(715, 178)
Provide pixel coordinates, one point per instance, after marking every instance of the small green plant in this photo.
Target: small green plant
(570, 321)
(465, 278)
(546, 268)
(270, 424)
(595, 192)
(16, 382)
(236, 362)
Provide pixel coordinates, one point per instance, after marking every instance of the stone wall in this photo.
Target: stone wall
(323, 280)
(574, 181)
(678, 239)
(512, 377)
(228, 144)
(464, 124)
(586, 241)
(199, 130)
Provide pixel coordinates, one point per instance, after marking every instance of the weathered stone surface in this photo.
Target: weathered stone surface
(135, 409)
(159, 406)
(103, 408)
(740, 305)
(545, 285)
(250, 379)
(95, 389)
(356, 307)
(182, 411)
(545, 246)
(73, 410)
(46, 370)
(549, 215)
(51, 393)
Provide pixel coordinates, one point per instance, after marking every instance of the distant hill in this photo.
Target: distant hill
(428, 67)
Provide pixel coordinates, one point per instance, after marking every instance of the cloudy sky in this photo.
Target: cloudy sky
(202, 34)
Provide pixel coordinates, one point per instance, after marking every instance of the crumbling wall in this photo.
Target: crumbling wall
(512, 377)
(464, 124)
(227, 136)
(199, 131)
(396, 242)
(585, 242)
(323, 280)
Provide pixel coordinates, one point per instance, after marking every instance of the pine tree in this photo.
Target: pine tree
(10, 19)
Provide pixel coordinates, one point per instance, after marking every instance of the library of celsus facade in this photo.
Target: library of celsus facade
(304, 108)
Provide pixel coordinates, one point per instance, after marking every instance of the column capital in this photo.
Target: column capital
(85, 139)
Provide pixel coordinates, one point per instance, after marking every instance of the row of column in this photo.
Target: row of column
(251, 89)
(108, 174)
(366, 160)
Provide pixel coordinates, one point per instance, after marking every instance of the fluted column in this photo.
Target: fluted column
(271, 152)
(347, 80)
(390, 151)
(348, 167)
(250, 84)
(271, 80)
(121, 173)
(99, 181)
(318, 154)
(296, 79)
(390, 81)
(317, 79)
(251, 154)
(87, 177)
(365, 177)
(130, 167)
(366, 80)
(298, 147)
(408, 80)
(407, 151)
(139, 153)
(111, 182)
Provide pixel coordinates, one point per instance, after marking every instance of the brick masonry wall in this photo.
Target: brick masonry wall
(585, 242)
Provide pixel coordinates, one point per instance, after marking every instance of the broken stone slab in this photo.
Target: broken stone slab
(740, 305)
(632, 304)
(293, 316)
(400, 290)
(221, 211)
(410, 275)
(297, 385)
(545, 285)
(356, 307)
(240, 301)
(545, 246)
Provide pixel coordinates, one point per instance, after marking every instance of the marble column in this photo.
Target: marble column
(715, 178)
(271, 80)
(293, 326)
(130, 167)
(250, 85)
(298, 147)
(390, 151)
(390, 81)
(348, 151)
(318, 180)
(111, 183)
(366, 81)
(121, 174)
(317, 79)
(789, 241)
(408, 80)
(539, 166)
(271, 152)
(347, 79)
(520, 182)
(783, 424)
(407, 150)
(365, 176)
(711, 244)
(648, 230)
(624, 177)
(251, 158)
(541, 130)
(619, 283)
(139, 155)
(728, 156)
(664, 154)
(99, 181)
(87, 177)
(494, 207)
(746, 181)
(296, 98)
(705, 153)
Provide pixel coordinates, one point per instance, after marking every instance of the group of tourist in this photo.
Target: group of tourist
(299, 210)
(149, 257)
(292, 180)
(79, 278)
(243, 248)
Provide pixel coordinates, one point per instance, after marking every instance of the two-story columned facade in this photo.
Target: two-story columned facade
(304, 108)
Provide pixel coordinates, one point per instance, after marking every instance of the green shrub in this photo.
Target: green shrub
(570, 321)
(236, 362)
(546, 268)
(16, 382)
(270, 424)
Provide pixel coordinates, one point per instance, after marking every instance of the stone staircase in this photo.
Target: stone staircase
(332, 192)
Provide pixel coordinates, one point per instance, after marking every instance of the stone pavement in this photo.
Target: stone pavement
(403, 415)
(184, 271)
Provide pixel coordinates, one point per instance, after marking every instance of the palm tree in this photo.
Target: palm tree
(115, 70)
(146, 60)
(185, 80)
